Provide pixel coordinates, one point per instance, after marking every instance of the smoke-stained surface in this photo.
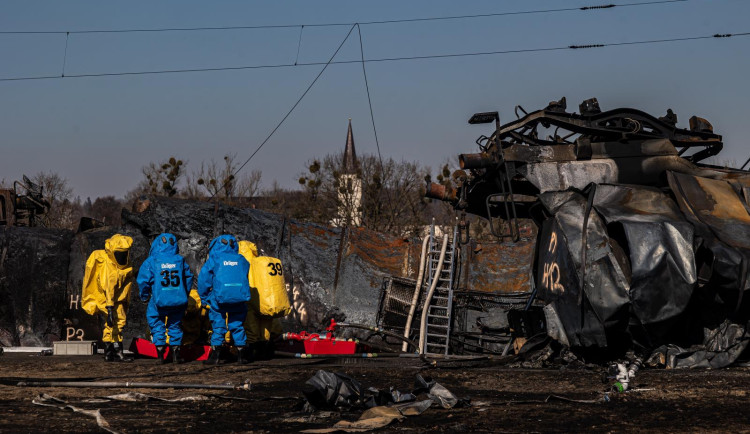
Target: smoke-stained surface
(330, 272)
(33, 271)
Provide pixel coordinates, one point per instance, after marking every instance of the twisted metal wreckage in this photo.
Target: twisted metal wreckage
(640, 246)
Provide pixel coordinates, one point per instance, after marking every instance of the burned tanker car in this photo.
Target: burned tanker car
(640, 243)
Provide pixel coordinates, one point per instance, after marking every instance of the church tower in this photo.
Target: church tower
(350, 186)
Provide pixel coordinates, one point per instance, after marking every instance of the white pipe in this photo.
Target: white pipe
(428, 299)
(417, 290)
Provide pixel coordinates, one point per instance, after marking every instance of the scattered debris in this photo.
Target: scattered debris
(723, 346)
(333, 390)
(51, 401)
(624, 374)
(23, 204)
(437, 392)
(142, 397)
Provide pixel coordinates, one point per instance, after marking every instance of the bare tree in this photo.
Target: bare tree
(218, 179)
(163, 178)
(57, 193)
(318, 201)
(107, 209)
(249, 184)
(392, 194)
(192, 189)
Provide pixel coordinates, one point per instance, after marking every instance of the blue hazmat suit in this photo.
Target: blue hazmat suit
(164, 280)
(223, 285)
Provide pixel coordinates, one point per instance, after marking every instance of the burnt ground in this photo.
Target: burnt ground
(503, 399)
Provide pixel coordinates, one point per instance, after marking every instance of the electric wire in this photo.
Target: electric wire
(65, 54)
(384, 59)
(374, 130)
(377, 22)
(299, 44)
(288, 113)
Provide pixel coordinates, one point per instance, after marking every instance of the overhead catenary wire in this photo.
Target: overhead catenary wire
(375, 130)
(281, 122)
(299, 44)
(342, 24)
(384, 59)
(65, 54)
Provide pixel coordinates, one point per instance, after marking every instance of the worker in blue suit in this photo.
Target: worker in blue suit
(164, 281)
(223, 285)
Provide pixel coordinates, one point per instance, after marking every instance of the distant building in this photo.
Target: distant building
(349, 210)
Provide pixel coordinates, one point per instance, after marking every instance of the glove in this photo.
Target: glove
(110, 316)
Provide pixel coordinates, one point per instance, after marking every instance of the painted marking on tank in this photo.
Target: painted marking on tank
(551, 274)
(74, 333)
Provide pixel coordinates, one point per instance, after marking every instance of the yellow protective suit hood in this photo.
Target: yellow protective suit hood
(248, 249)
(109, 275)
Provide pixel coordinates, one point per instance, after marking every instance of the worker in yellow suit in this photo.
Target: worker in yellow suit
(195, 324)
(268, 302)
(107, 283)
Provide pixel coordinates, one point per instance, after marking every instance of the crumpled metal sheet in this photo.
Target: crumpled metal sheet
(603, 304)
(722, 224)
(721, 348)
(659, 245)
(640, 269)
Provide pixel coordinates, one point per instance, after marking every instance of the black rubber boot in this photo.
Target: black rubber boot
(174, 351)
(120, 354)
(109, 352)
(270, 350)
(160, 354)
(245, 354)
(213, 357)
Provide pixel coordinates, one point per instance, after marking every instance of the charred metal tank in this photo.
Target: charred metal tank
(640, 242)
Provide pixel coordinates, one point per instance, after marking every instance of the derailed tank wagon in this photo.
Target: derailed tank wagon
(640, 243)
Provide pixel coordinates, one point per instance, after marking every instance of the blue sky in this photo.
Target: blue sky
(99, 132)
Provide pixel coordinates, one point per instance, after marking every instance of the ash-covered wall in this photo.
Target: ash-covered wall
(33, 274)
(330, 271)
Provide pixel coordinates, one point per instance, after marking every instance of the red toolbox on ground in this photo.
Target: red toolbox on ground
(315, 343)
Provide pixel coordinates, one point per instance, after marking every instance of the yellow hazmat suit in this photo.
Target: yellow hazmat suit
(195, 324)
(107, 284)
(268, 300)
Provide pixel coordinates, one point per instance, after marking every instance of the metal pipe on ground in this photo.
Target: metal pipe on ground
(336, 356)
(132, 384)
(378, 330)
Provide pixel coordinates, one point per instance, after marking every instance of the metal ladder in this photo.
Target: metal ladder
(438, 327)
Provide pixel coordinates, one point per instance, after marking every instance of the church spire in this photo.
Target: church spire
(350, 155)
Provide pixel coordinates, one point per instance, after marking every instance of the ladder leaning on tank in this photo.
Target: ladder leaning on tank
(435, 328)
